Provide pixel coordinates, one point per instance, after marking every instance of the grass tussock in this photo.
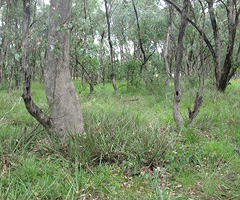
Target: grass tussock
(130, 149)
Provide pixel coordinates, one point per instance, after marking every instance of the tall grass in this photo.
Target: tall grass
(129, 150)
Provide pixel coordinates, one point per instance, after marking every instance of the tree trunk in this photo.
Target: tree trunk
(30, 105)
(178, 93)
(166, 54)
(139, 38)
(4, 45)
(217, 57)
(111, 49)
(222, 76)
(60, 91)
(232, 27)
(102, 52)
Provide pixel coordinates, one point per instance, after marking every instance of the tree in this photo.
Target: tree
(167, 46)
(111, 48)
(4, 42)
(178, 92)
(60, 91)
(61, 94)
(224, 73)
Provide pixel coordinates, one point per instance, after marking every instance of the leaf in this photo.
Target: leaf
(59, 29)
(17, 56)
(52, 47)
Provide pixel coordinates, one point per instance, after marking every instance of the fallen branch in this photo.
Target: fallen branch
(125, 100)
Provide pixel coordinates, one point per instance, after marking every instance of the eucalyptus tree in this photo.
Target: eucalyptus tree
(86, 25)
(166, 51)
(177, 83)
(224, 68)
(178, 92)
(110, 47)
(4, 43)
(61, 94)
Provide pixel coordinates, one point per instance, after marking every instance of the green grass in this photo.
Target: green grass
(129, 150)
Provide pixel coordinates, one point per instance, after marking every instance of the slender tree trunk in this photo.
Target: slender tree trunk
(101, 58)
(232, 27)
(60, 91)
(30, 105)
(111, 49)
(222, 76)
(217, 58)
(166, 52)
(139, 37)
(4, 45)
(178, 92)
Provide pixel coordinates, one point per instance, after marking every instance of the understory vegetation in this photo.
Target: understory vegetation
(131, 148)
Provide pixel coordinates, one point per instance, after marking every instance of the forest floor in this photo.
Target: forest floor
(130, 149)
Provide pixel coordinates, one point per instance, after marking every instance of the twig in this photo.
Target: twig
(131, 100)
(11, 108)
(89, 169)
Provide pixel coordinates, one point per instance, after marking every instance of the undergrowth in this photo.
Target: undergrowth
(130, 149)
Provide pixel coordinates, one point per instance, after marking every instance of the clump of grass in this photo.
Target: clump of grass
(129, 150)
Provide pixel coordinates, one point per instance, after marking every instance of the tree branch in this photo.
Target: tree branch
(208, 43)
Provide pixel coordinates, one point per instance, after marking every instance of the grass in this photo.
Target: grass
(129, 150)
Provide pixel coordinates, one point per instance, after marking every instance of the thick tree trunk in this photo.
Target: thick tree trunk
(60, 91)
(111, 49)
(178, 93)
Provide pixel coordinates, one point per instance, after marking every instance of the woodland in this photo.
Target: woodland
(119, 99)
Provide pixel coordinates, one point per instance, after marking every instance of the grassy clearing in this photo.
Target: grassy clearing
(130, 149)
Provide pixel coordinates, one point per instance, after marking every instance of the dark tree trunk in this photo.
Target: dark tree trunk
(232, 27)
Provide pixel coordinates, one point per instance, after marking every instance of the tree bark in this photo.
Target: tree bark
(232, 27)
(178, 93)
(166, 54)
(36, 112)
(217, 58)
(4, 45)
(111, 49)
(139, 38)
(60, 91)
